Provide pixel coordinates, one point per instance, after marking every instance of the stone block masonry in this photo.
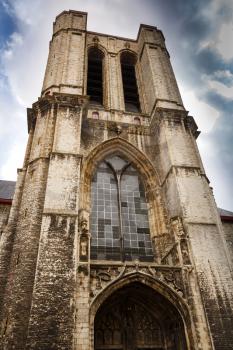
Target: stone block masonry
(53, 295)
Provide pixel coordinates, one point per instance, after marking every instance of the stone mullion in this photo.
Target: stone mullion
(120, 89)
(118, 181)
(141, 89)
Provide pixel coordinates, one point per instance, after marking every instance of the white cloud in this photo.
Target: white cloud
(25, 58)
(220, 39)
(205, 115)
(221, 89)
(14, 160)
(223, 74)
(24, 61)
(14, 41)
(224, 41)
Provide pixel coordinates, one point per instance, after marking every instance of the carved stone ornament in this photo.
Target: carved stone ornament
(83, 221)
(83, 246)
(177, 227)
(96, 40)
(84, 236)
(127, 45)
(115, 128)
(83, 269)
(185, 252)
(102, 276)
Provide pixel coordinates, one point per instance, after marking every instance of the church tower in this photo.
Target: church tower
(114, 240)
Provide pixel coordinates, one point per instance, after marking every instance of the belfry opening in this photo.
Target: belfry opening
(136, 317)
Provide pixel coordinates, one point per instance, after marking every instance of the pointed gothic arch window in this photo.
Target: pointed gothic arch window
(119, 214)
(130, 88)
(95, 75)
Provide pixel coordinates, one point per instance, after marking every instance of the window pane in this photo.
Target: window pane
(106, 227)
(104, 221)
(135, 224)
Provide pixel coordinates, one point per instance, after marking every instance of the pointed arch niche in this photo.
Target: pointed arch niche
(138, 312)
(120, 190)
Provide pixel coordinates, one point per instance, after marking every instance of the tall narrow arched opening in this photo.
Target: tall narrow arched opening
(137, 317)
(119, 220)
(95, 75)
(129, 81)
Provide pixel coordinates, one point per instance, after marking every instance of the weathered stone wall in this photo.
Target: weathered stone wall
(4, 214)
(67, 63)
(215, 280)
(19, 288)
(47, 298)
(52, 311)
(188, 195)
(65, 66)
(51, 155)
(55, 273)
(228, 237)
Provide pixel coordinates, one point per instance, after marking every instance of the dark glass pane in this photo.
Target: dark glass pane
(104, 220)
(135, 224)
(105, 217)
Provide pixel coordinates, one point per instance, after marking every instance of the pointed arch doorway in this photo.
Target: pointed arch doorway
(137, 318)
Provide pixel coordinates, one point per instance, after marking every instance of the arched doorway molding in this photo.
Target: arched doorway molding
(157, 286)
(148, 173)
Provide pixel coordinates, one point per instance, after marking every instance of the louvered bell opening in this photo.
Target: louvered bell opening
(130, 88)
(95, 76)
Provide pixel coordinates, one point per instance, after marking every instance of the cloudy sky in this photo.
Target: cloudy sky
(199, 37)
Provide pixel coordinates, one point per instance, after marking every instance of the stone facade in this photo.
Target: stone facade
(53, 295)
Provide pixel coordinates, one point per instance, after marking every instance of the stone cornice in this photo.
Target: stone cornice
(56, 100)
(192, 126)
(118, 127)
(60, 99)
(60, 86)
(176, 117)
(187, 168)
(153, 46)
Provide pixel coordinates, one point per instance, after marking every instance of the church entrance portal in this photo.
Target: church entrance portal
(137, 318)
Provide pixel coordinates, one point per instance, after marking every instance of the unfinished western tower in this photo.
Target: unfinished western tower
(114, 240)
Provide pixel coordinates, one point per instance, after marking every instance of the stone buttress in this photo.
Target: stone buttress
(50, 288)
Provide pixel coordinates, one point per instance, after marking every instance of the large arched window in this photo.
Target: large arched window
(95, 76)
(119, 214)
(130, 89)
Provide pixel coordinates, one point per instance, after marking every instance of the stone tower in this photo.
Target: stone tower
(113, 240)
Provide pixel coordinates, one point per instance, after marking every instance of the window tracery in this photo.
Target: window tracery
(119, 214)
